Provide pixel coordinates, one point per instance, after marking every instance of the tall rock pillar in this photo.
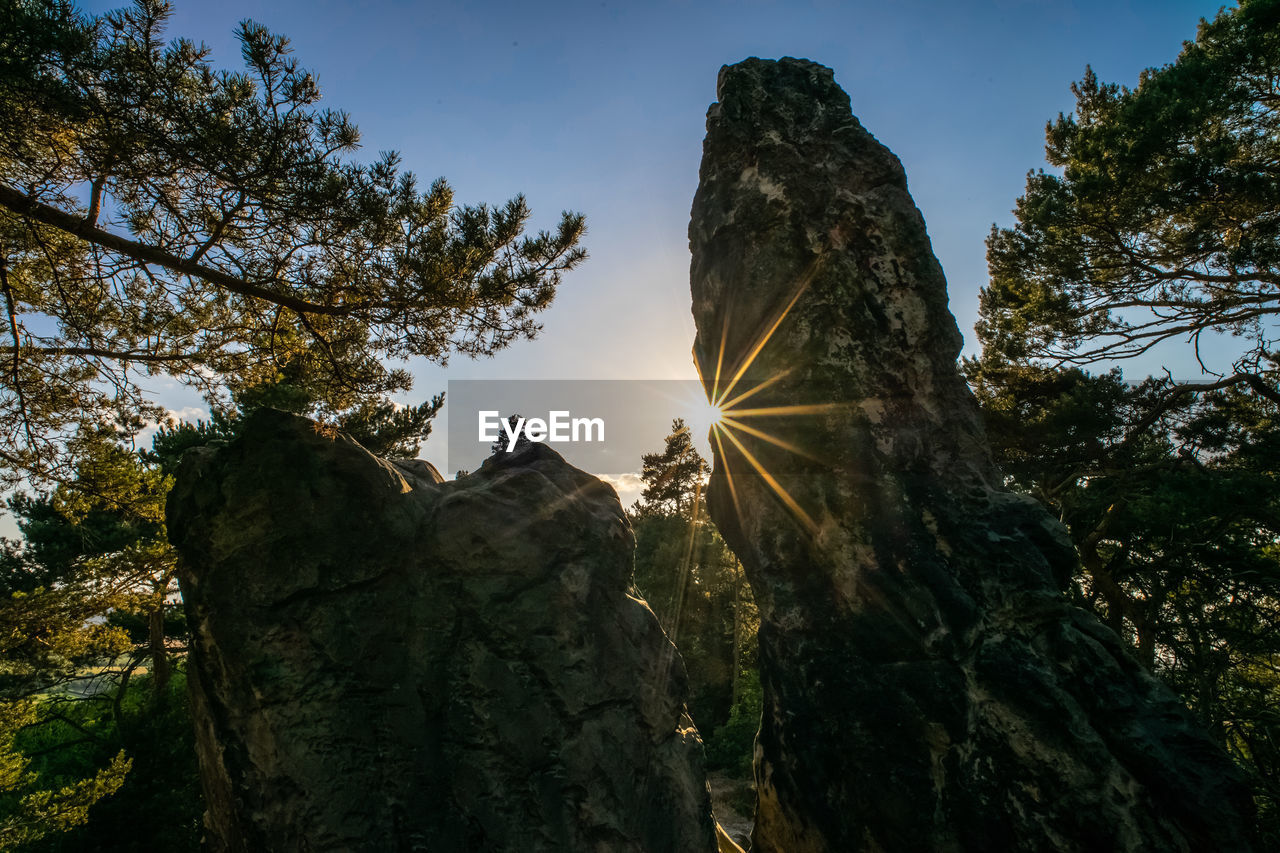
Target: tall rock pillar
(927, 687)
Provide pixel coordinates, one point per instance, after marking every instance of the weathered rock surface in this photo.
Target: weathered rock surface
(385, 662)
(927, 688)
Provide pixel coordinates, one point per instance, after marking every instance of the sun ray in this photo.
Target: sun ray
(756, 390)
(732, 423)
(728, 474)
(697, 367)
(714, 415)
(781, 411)
(697, 411)
(773, 484)
(726, 418)
(801, 286)
(724, 336)
(682, 582)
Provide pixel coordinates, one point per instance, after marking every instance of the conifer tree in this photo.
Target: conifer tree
(1164, 222)
(159, 216)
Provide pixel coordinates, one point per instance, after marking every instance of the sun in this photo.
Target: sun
(727, 417)
(703, 418)
(711, 415)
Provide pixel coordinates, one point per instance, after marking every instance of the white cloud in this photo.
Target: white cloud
(628, 485)
(188, 414)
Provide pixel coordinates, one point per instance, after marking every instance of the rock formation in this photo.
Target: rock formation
(927, 687)
(382, 661)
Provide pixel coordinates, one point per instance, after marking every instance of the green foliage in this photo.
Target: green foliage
(1172, 497)
(691, 579)
(381, 427)
(96, 545)
(157, 805)
(731, 748)
(1046, 424)
(33, 805)
(86, 611)
(136, 625)
(500, 446)
(385, 429)
(1163, 223)
(673, 478)
(48, 552)
(694, 586)
(227, 237)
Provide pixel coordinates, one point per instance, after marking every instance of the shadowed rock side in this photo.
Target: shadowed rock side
(385, 662)
(927, 687)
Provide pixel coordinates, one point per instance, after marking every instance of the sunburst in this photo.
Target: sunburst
(728, 420)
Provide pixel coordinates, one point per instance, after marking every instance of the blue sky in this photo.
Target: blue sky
(599, 107)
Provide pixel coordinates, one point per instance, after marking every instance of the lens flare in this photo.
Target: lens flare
(726, 415)
(712, 415)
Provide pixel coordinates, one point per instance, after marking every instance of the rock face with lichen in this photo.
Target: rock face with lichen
(383, 661)
(927, 686)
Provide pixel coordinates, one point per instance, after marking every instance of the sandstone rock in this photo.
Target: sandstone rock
(927, 688)
(383, 661)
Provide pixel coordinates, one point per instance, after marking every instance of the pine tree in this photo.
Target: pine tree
(687, 573)
(226, 237)
(1164, 223)
(673, 478)
(522, 440)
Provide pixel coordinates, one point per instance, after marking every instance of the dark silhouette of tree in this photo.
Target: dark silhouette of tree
(159, 216)
(522, 440)
(1173, 502)
(673, 478)
(1165, 220)
(693, 582)
(1164, 224)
